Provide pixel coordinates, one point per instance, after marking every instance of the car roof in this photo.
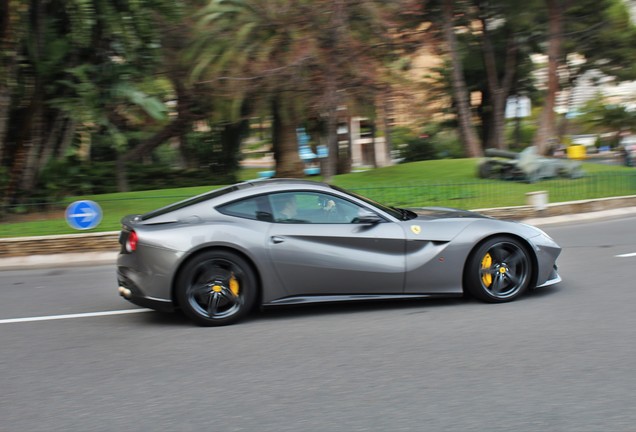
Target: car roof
(243, 186)
(279, 181)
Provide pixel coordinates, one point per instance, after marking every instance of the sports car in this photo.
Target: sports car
(260, 243)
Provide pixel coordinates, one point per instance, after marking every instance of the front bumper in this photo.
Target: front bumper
(554, 278)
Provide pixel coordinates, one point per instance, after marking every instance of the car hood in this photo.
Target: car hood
(432, 213)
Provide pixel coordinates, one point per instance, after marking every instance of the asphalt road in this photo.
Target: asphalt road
(561, 359)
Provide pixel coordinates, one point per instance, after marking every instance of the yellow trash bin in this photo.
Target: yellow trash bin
(576, 151)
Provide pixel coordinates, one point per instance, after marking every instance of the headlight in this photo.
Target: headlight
(540, 237)
(546, 240)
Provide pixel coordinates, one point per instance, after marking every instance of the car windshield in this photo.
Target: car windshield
(396, 212)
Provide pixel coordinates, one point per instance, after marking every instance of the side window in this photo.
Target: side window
(256, 208)
(312, 207)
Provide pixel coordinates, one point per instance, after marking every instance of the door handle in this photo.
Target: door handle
(277, 239)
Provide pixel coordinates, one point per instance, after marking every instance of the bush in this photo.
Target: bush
(71, 177)
(419, 149)
(448, 145)
(433, 141)
(520, 135)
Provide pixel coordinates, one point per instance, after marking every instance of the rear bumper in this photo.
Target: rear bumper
(131, 292)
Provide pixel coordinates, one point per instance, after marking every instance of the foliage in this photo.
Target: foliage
(418, 148)
(519, 133)
(600, 117)
(294, 60)
(433, 141)
(70, 177)
(606, 38)
(101, 81)
(83, 66)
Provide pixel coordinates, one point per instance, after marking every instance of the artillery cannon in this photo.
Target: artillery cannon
(525, 166)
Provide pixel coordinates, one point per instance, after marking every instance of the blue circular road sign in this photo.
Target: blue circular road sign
(83, 215)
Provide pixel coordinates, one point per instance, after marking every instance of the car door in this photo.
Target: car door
(315, 253)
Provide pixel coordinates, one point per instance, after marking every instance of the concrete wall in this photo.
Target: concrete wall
(71, 243)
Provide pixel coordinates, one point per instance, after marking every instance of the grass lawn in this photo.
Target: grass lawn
(450, 182)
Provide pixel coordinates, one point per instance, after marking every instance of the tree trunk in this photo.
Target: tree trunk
(49, 144)
(288, 163)
(5, 109)
(343, 148)
(24, 146)
(348, 139)
(386, 124)
(31, 163)
(121, 175)
(374, 159)
(10, 32)
(174, 128)
(185, 160)
(330, 167)
(335, 37)
(498, 89)
(20, 157)
(547, 121)
(460, 91)
(231, 138)
(67, 139)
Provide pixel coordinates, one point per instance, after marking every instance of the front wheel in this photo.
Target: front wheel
(216, 288)
(498, 271)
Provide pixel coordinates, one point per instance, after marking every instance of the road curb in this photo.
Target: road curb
(58, 260)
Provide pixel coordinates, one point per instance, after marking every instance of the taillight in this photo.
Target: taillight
(131, 242)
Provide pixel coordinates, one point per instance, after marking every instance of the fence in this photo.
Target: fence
(48, 218)
(490, 193)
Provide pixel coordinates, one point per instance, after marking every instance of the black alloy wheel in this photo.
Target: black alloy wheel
(499, 270)
(216, 288)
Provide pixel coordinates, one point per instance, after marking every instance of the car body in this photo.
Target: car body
(218, 255)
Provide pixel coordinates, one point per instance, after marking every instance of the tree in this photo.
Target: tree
(441, 20)
(460, 92)
(598, 116)
(191, 100)
(12, 32)
(294, 59)
(257, 51)
(505, 31)
(79, 62)
(547, 120)
(601, 32)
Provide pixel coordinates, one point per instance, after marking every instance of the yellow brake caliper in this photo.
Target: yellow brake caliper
(486, 263)
(234, 285)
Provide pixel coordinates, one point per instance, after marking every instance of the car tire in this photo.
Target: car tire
(216, 288)
(499, 270)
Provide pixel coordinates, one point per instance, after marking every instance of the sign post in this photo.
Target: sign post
(83, 214)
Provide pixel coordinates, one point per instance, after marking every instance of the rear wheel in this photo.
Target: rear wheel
(216, 288)
(498, 271)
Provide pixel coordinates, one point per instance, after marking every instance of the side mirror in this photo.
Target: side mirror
(367, 217)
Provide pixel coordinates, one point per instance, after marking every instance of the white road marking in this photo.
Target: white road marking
(627, 255)
(70, 316)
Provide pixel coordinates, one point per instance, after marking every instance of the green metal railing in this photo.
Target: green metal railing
(489, 193)
(48, 218)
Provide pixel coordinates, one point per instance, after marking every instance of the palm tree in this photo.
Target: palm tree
(259, 50)
(293, 58)
(80, 60)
